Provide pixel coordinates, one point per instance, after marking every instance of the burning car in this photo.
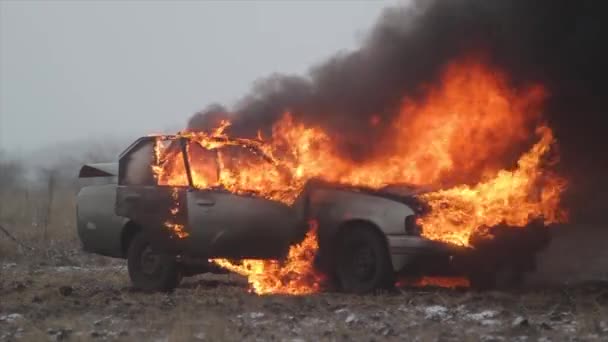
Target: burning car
(176, 210)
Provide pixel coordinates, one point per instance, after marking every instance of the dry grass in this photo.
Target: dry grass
(39, 220)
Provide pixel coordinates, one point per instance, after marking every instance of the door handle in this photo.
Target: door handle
(205, 202)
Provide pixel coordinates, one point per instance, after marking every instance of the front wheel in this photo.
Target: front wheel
(150, 270)
(363, 263)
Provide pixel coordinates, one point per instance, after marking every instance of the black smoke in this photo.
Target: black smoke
(561, 44)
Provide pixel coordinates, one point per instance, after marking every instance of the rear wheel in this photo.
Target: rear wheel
(363, 263)
(150, 270)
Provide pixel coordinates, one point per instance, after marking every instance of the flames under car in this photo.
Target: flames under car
(365, 237)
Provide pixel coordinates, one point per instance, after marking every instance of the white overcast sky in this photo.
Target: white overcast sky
(73, 70)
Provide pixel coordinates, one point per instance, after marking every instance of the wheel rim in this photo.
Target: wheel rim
(150, 261)
(362, 263)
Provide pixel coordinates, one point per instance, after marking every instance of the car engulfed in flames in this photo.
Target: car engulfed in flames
(457, 130)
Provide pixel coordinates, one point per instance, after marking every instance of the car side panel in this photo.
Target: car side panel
(150, 207)
(99, 228)
(227, 225)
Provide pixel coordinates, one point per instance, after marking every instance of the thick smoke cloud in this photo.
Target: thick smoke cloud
(558, 43)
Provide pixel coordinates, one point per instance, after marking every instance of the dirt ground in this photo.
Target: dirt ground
(44, 302)
(72, 296)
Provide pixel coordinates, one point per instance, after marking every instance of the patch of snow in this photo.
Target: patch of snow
(462, 308)
(256, 315)
(351, 318)
(486, 314)
(435, 312)
(570, 327)
(341, 311)
(7, 265)
(403, 308)
(86, 269)
(519, 321)
(312, 321)
(11, 318)
(489, 322)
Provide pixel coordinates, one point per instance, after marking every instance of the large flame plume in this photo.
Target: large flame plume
(460, 133)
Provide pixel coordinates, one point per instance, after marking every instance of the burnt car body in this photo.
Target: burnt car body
(365, 236)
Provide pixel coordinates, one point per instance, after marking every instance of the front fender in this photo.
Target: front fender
(334, 209)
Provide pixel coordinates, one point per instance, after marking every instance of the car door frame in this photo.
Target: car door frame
(140, 203)
(218, 241)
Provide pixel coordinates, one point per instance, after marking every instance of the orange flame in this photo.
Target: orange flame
(511, 197)
(445, 282)
(461, 132)
(177, 229)
(295, 276)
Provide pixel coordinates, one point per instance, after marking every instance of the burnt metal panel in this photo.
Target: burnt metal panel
(98, 170)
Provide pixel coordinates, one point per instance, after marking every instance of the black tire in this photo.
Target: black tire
(363, 264)
(149, 270)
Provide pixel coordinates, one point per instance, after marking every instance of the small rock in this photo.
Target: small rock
(59, 334)
(98, 334)
(66, 290)
(556, 316)
(200, 336)
(520, 322)
(545, 326)
(36, 299)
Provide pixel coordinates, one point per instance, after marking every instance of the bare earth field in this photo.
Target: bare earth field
(97, 303)
(73, 296)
